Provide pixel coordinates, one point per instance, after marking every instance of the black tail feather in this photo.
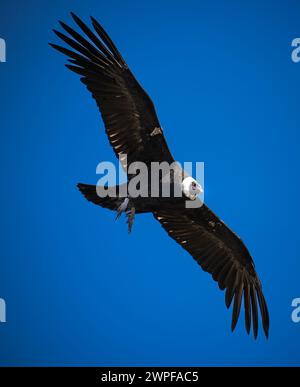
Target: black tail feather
(91, 193)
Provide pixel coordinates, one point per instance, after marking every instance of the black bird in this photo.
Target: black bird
(133, 129)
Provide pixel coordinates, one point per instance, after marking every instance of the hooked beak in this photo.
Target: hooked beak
(199, 189)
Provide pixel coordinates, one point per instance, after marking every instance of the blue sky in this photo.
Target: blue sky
(79, 289)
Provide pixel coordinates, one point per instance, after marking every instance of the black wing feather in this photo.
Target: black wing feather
(221, 253)
(127, 110)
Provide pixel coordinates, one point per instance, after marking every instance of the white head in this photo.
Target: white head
(191, 188)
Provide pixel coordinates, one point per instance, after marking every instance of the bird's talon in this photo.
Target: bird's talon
(122, 208)
(130, 218)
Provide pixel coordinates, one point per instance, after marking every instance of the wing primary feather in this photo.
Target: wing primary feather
(76, 69)
(78, 47)
(254, 311)
(230, 286)
(106, 39)
(80, 39)
(247, 306)
(67, 52)
(228, 297)
(87, 45)
(81, 60)
(264, 311)
(90, 33)
(237, 302)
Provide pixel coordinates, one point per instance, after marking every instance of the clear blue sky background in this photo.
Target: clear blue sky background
(78, 289)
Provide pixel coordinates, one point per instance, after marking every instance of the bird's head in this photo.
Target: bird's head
(191, 188)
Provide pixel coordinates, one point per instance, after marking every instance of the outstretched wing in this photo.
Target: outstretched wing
(128, 113)
(221, 253)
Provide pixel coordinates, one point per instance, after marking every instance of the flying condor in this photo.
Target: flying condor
(133, 129)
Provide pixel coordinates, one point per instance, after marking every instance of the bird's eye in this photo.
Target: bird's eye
(193, 184)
